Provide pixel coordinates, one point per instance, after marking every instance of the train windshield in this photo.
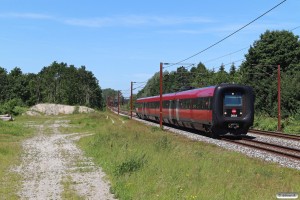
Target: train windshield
(233, 99)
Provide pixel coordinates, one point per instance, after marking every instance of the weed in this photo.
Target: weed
(125, 117)
(76, 110)
(163, 143)
(155, 128)
(131, 165)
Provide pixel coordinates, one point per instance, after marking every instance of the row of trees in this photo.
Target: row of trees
(259, 70)
(183, 79)
(57, 83)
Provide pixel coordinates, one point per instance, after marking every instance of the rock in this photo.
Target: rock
(6, 117)
(57, 109)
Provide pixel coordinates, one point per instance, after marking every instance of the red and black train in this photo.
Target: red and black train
(222, 109)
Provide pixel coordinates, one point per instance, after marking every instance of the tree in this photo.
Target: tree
(232, 70)
(200, 76)
(259, 69)
(221, 76)
(67, 85)
(3, 83)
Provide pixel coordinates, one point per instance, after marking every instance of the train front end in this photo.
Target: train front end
(232, 109)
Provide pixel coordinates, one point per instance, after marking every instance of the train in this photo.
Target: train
(217, 110)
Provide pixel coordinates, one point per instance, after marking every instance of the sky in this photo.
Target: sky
(122, 41)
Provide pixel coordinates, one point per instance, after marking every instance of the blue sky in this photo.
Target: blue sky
(123, 41)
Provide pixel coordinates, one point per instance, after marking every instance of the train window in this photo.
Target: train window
(182, 103)
(203, 103)
(172, 104)
(189, 103)
(156, 104)
(194, 103)
(165, 104)
(233, 99)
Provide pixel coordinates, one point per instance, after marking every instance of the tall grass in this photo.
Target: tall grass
(11, 134)
(288, 125)
(146, 163)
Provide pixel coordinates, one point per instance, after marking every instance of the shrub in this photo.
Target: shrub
(130, 165)
(13, 107)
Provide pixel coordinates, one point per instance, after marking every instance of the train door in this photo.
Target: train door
(143, 109)
(172, 111)
(177, 109)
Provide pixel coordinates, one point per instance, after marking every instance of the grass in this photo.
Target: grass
(11, 135)
(68, 192)
(147, 163)
(288, 125)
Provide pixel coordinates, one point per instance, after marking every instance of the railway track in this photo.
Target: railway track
(285, 151)
(276, 134)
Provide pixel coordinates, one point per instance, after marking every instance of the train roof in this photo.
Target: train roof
(194, 93)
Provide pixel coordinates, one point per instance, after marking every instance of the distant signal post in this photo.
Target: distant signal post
(160, 94)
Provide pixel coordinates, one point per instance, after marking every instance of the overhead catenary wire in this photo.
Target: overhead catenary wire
(229, 54)
(181, 62)
(218, 42)
(295, 28)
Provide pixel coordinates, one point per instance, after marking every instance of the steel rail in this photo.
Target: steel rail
(267, 147)
(276, 134)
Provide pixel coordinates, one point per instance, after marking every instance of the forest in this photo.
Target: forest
(57, 83)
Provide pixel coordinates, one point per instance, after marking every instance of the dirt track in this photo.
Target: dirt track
(52, 163)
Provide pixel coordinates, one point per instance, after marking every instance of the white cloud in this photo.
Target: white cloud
(136, 20)
(25, 15)
(126, 20)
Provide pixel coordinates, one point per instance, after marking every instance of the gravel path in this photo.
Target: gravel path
(52, 163)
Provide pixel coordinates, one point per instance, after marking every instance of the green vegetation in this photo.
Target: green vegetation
(11, 135)
(57, 83)
(260, 71)
(288, 125)
(147, 163)
(68, 192)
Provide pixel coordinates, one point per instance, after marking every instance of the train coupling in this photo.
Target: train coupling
(233, 125)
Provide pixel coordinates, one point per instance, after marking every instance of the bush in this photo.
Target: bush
(131, 165)
(13, 107)
(288, 125)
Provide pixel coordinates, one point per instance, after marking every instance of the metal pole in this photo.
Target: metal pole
(118, 102)
(160, 94)
(131, 100)
(279, 99)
